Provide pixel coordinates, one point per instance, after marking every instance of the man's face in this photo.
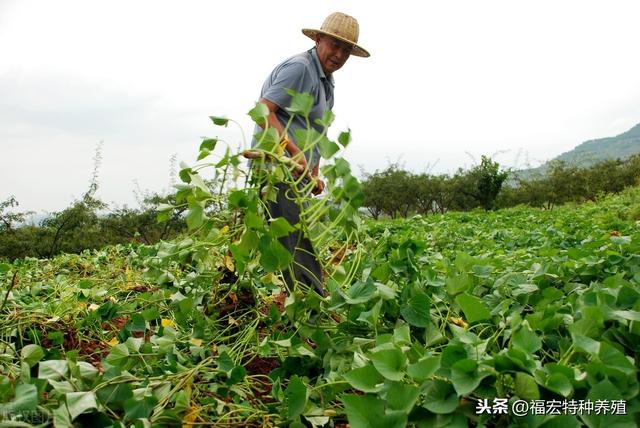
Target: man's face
(333, 53)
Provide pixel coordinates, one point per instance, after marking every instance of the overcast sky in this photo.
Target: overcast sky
(447, 81)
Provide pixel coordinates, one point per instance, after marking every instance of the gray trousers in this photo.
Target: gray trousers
(305, 267)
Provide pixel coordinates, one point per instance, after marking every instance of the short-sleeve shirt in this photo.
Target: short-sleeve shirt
(302, 73)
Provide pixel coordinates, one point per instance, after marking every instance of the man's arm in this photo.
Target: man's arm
(291, 147)
(273, 121)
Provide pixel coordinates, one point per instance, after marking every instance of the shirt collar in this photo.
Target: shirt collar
(316, 61)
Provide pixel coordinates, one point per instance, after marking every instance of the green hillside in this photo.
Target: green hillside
(619, 147)
(591, 152)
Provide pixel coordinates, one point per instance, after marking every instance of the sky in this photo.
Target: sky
(447, 81)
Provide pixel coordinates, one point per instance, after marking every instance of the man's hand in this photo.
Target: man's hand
(294, 151)
(298, 156)
(319, 187)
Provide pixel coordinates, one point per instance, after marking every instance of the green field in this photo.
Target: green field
(427, 316)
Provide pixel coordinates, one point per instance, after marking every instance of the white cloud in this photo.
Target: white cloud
(523, 80)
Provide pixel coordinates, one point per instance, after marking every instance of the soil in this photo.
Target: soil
(234, 302)
(262, 365)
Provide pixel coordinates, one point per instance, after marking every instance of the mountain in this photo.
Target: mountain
(593, 151)
(619, 147)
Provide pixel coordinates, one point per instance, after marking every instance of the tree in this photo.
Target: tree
(434, 193)
(488, 180)
(75, 228)
(373, 195)
(9, 219)
(389, 192)
(127, 224)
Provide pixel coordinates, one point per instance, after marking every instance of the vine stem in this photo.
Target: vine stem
(13, 284)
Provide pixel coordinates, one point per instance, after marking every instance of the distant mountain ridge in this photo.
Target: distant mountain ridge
(593, 151)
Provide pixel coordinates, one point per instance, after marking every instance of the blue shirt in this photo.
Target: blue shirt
(302, 73)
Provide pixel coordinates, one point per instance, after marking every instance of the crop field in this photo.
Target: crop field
(442, 312)
(511, 318)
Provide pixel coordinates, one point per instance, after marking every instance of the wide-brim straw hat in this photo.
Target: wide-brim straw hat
(342, 27)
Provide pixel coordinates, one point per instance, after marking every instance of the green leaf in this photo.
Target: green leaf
(238, 199)
(401, 335)
(424, 369)
(296, 397)
(327, 148)
(61, 417)
(273, 255)
(87, 371)
(363, 410)
(225, 160)
(136, 323)
(118, 355)
(225, 363)
(195, 216)
(523, 289)
(253, 221)
(53, 369)
(371, 316)
(588, 327)
(342, 167)
(139, 408)
(267, 139)
(62, 387)
(452, 354)
(605, 390)
(562, 421)
(114, 395)
(344, 138)
(236, 375)
(209, 144)
(440, 397)
(366, 411)
(259, 113)
(26, 399)
(151, 314)
(31, 354)
(352, 187)
(526, 340)
(360, 292)
(559, 384)
(614, 359)
(390, 363)
(163, 216)
(365, 379)
(203, 154)
(182, 400)
(458, 283)
(80, 402)
(198, 182)
(184, 175)
(465, 376)
(526, 387)
(416, 310)
(586, 344)
(220, 121)
(473, 308)
(301, 103)
(624, 315)
(402, 397)
(327, 119)
(165, 207)
(280, 227)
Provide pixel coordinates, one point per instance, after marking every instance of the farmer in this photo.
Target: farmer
(310, 72)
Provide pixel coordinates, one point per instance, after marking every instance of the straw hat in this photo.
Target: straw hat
(342, 27)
